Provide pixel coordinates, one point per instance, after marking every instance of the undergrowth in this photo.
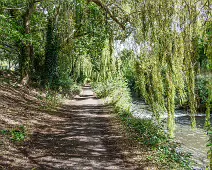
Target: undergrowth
(146, 132)
(17, 134)
(50, 96)
(152, 135)
(210, 147)
(53, 97)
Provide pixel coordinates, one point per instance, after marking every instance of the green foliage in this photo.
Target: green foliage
(146, 132)
(127, 68)
(17, 134)
(202, 90)
(65, 84)
(170, 53)
(115, 91)
(210, 147)
(75, 89)
(170, 157)
(150, 134)
(62, 43)
(50, 75)
(52, 99)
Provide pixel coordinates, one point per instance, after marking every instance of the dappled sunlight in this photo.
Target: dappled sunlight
(53, 52)
(77, 136)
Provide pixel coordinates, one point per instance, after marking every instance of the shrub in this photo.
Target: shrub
(115, 92)
(75, 89)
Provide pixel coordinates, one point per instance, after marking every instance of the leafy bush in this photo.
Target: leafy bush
(146, 131)
(151, 134)
(116, 92)
(67, 87)
(75, 89)
(52, 99)
(65, 83)
(170, 157)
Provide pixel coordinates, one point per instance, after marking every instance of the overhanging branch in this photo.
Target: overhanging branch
(100, 4)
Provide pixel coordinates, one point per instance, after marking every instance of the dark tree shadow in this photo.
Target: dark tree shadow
(74, 137)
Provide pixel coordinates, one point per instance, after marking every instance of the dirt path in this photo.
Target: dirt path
(79, 136)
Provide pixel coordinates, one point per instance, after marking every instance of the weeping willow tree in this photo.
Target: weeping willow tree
(80, 35)
(107, 63)
(92, 51)
(167, 31)
(208, 51)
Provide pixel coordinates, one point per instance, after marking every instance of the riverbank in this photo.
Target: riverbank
(165, 153)
(192, 141)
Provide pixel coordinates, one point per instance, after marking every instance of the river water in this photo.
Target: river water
(192, 141)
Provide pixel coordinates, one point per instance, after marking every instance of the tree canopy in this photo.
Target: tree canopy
(55, 41)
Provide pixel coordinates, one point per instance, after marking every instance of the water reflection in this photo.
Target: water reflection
(186, 120)
(193, 141)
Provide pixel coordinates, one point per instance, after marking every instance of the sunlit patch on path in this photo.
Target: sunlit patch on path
(80, 136)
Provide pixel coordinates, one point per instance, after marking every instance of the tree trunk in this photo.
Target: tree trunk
(49, 76)
(27, 52)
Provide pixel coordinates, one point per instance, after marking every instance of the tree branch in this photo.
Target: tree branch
(100, 4)
(5, 8)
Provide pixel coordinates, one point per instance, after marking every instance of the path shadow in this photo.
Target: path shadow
(80, 137)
